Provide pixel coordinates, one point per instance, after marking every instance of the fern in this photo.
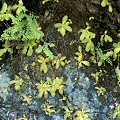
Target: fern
(103, 57)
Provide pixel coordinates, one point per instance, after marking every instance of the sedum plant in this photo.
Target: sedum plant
(51, 86)
(96, 76)
(105, 3)
(67, 113)
(28, 99)
(86, 37)
(64, 26)
(100, 90)
(18, 82)
(57, 85)
(81, 115)
(43, 61)
(59, 60)
(43, 88)
(49, 109)
(46, 50)
(80, 58)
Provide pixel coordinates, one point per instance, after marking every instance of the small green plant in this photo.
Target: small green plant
(18, 82)
(6, 48)
(59, 60)
(68, 112)
(57, 85)
(116, 112)
(104, 3)
(28, 99)
(81, 115)
(96, 76)
(117, 70)
(43, 61)
(43, 88)
(100, 90)
(104, 56)
(116, 50)
(80, 58)
(23, 118)
(46, 50)
(51, 86)
(62, 27)
(86, 37)
(49, 109)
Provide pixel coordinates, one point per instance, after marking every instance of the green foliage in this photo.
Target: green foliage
(44, 1)
(100, 91)
(59, 60)
(68, 112)
(104, 57)
(117, 70)
(116, 50)
(116, 112)
(49, 109)
(22, 27)
(23, 118)
(5, 12)
(106, 37)
(43, 88)
(80, 58)
(62, 27)
(104, 3)
(81, 115)
(57, 84)
(6, 48)
(96, 76)
(86, 37)
(46, 50)
(28, 99)
(43, 61)
(51, 86)
(17, 82)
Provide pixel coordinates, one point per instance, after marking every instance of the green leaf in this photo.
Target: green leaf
(30, 51)
(110, 8)
(89, 46)
(100, 62)
(64, 20)
(44, 67)
(58, 25)
(62, 31)
(68, 28)
(104, 3)
(51, 45)
(83, 35)
(24, 51)
(10, 50)
(39, 49)
(2, 51)
(4, 8)
(48, 53)
(86, 63)
(108, 38)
